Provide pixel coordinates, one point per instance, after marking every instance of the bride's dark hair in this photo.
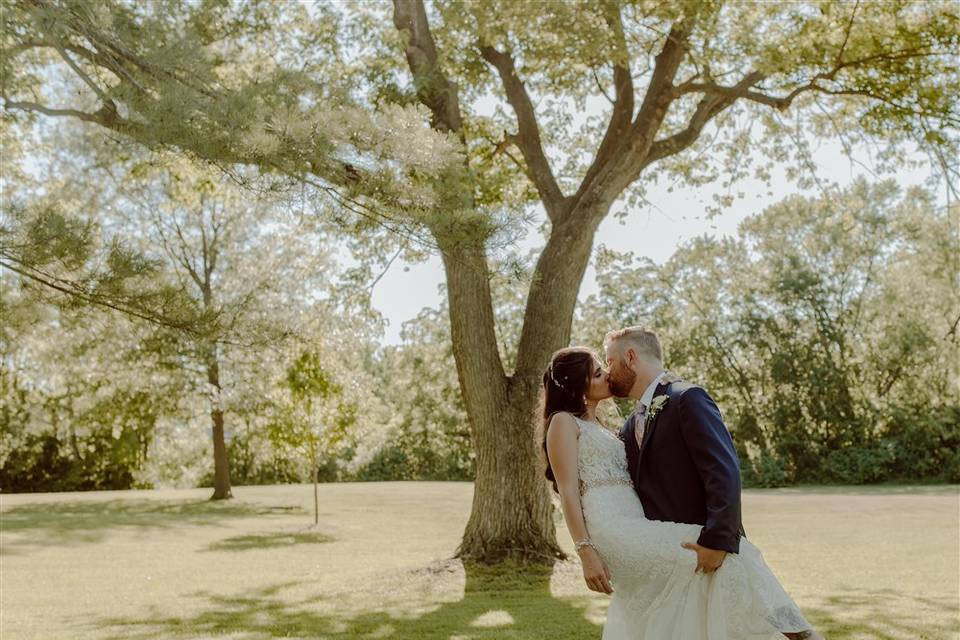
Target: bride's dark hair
(565, 385)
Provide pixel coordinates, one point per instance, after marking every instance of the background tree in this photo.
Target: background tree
(314, 418)
(825, 330)
(248, 273)
(877, 71)
(236, 258)
(427, 435)
(81, 400)
(80, 403)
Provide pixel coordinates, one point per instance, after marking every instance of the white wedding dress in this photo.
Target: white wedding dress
(657, 595)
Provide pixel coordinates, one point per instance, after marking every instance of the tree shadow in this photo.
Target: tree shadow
(510, 604)
(503, 603)
(882, 614)
(60, 523)
(269, 541)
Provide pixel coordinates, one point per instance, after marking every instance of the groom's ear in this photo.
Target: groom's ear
(630, 355)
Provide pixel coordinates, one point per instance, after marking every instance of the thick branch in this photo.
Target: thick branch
(434, 89)
(660, 92)
(623, 104)
(528, 132)
(48, 111)
(25, 45)
(472, 323)
(708, 108)
(615, 175)
(552, 298)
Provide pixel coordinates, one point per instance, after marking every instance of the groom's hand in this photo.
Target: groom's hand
(708, 560)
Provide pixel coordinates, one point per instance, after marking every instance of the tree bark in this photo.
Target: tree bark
(511, 516)
(221, 464)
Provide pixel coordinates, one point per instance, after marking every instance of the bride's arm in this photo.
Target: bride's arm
(562, 451)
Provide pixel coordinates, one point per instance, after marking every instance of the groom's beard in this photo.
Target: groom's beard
(622, 381)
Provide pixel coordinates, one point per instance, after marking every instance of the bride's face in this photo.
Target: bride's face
(598, 387)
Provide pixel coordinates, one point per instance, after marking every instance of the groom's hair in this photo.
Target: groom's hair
(643, 339)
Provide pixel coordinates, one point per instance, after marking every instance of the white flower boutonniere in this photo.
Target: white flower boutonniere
(656, 405)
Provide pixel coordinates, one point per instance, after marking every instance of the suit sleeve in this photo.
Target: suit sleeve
(711, 447)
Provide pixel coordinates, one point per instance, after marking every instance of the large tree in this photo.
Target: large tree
(198, 79)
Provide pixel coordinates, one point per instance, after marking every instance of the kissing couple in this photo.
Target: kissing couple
(654, 512)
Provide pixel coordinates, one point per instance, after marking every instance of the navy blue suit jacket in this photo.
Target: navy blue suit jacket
(688, 469)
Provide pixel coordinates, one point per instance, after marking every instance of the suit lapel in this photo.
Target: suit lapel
(651, 424)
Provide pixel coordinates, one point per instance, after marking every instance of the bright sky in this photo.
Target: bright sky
(654, 230)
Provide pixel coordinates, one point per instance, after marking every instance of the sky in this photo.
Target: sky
(653, 230)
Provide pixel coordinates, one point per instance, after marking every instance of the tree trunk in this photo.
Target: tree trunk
(315, 467)
(511, 515)
(512, 512)
(221, 464)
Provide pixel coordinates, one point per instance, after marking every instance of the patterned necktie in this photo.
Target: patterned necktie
(641, 424)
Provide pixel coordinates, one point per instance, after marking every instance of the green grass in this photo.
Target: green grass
(863, 563)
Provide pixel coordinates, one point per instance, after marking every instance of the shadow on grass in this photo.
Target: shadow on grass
(884, 614)
(269, 541)
(86, 522)
(512, 605)
(496, 604)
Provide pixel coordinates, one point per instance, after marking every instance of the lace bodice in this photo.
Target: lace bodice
(602, 459)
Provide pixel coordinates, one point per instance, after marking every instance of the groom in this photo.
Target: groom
(680, 455)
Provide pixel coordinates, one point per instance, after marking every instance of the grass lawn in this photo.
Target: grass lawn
(879, 563)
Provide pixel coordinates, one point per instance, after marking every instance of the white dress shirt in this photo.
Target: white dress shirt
(643, 404)
(647, 396)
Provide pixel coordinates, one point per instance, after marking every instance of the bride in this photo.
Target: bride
(650, 567)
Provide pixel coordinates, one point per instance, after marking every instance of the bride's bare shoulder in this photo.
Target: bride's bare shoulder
(563, 420)
(563, 432)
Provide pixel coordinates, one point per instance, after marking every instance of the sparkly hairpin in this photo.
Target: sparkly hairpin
(554, 378)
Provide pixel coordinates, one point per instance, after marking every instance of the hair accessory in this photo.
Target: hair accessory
(554, 378)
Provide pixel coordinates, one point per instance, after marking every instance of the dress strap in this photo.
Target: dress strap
(579, 425)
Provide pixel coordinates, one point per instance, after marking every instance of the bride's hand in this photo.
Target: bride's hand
(595, 571)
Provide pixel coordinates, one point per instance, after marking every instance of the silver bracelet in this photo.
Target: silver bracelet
(580, 544)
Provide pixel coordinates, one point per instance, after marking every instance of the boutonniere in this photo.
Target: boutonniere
(656, 405)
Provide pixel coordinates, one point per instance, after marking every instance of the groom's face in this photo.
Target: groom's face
(619, 374)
